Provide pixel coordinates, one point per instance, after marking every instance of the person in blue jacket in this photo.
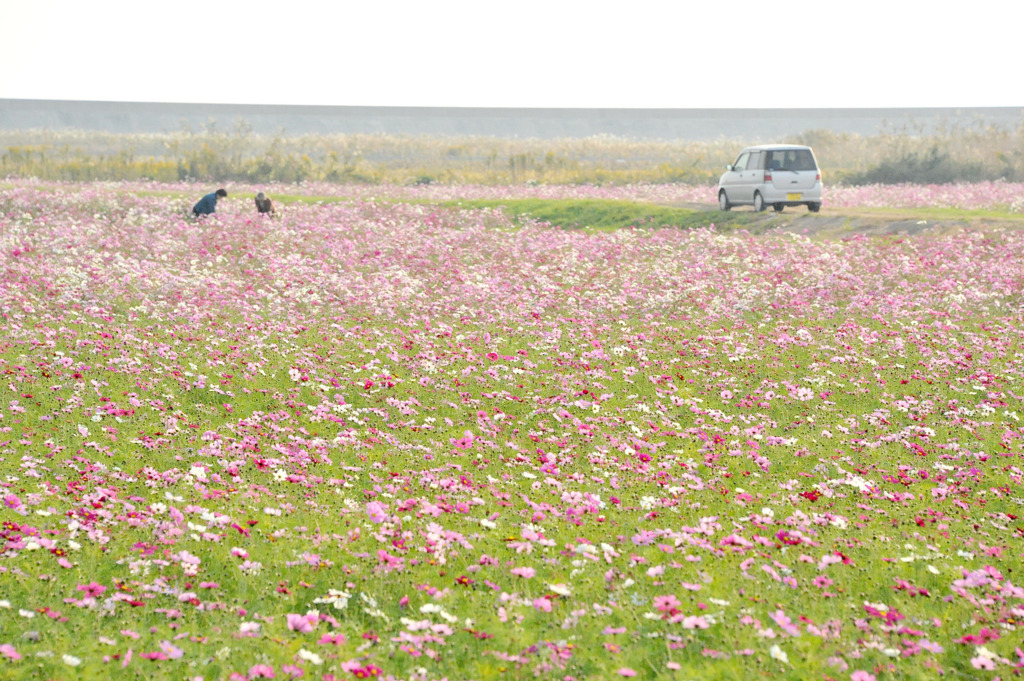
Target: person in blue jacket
(208, 204)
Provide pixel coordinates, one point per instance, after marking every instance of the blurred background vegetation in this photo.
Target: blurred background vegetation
(972, 152)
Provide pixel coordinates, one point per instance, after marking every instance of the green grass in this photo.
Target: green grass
(603, 214)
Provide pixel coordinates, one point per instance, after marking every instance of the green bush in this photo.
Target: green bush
(931, 167)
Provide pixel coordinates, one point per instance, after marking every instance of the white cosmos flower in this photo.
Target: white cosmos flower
(560, 589)
(310, 657)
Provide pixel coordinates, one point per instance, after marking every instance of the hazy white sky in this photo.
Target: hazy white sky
(519, 53)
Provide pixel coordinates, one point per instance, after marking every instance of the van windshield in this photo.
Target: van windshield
(791, 159)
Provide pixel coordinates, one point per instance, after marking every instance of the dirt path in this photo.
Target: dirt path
(845, 222)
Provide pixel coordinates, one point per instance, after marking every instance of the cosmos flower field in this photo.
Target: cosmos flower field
(377, 439)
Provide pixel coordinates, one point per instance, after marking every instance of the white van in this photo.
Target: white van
(776, 175)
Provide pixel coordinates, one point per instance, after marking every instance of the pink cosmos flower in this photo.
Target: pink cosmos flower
(172, 651)
(861, 675)
(784, 622)
(264, 671)
(329, 640)
(695, 622)
(542, 604)
(626, 671)
(392, 562)
(301, 623)
(8, 651)
(464, 442)
(92, 589)
(524, 572)
(377, 511)
(666, 603)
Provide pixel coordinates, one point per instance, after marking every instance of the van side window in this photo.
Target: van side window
(755, 162)
(741, 162)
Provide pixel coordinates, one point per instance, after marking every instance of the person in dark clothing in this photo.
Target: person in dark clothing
(208, 204)
(265, 205)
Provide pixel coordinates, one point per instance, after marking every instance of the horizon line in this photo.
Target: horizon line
(768, 110)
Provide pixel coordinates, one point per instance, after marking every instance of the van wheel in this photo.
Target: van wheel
(777, 207)
(814, 207)
(758, 202)
(723, 201)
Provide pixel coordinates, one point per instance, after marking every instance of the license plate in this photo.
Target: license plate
(793, 197)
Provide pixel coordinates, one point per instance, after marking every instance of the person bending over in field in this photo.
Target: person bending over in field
(208, 204)
(265, 205)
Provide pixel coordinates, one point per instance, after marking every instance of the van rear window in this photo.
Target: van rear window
(791, 159)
